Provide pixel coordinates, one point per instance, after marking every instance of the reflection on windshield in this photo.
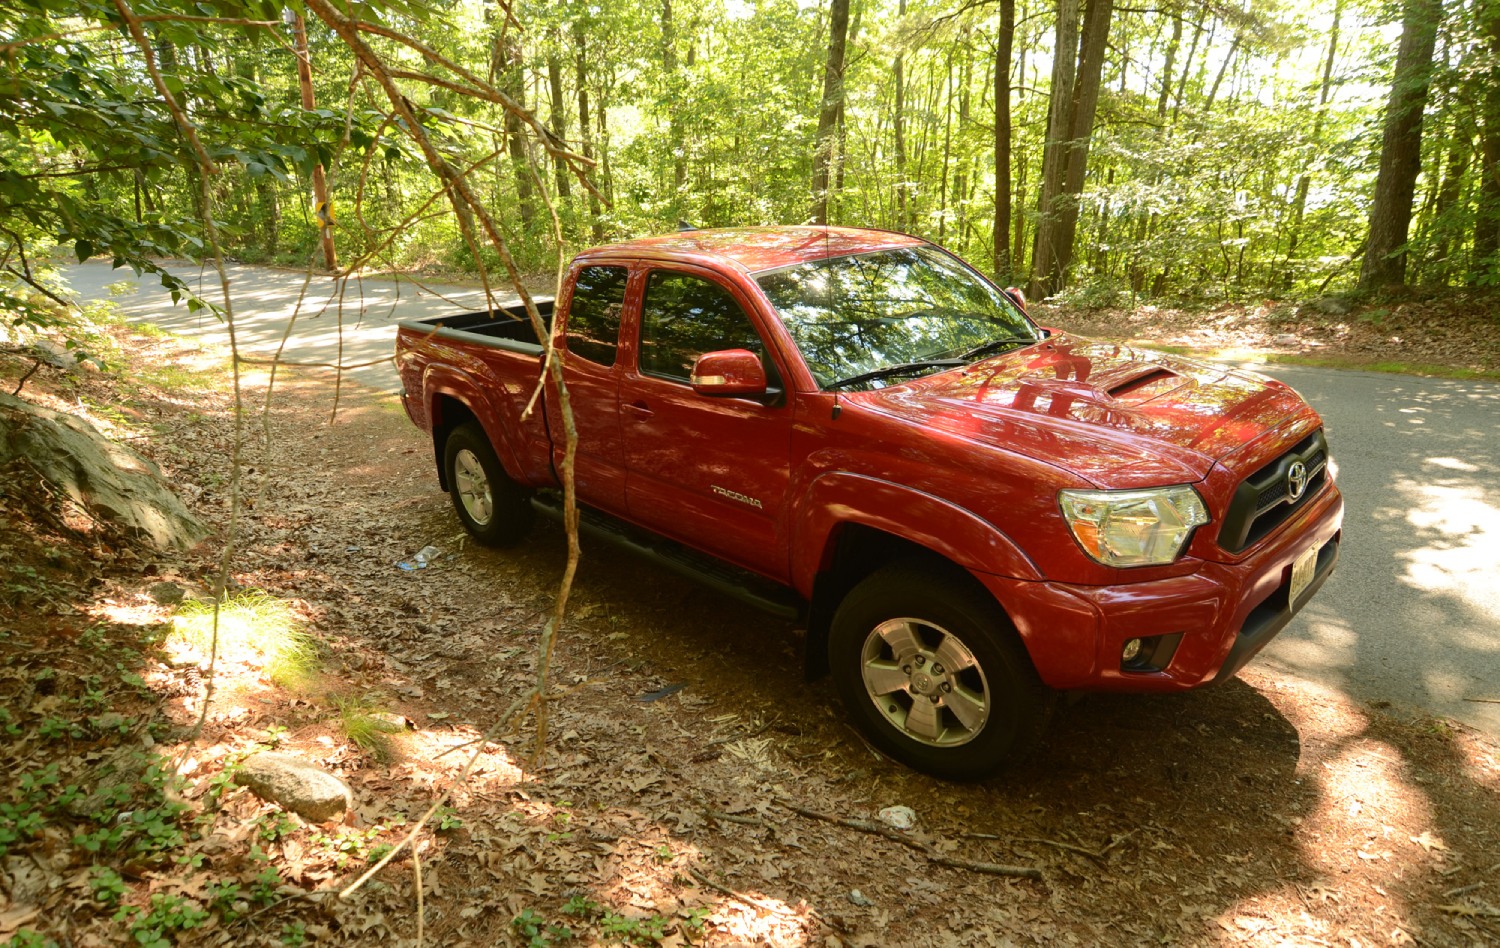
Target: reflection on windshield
(858, 314)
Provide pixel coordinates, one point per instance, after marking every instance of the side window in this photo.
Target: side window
(684, 316)
(594, 315)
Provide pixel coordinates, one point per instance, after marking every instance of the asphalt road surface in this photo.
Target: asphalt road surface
(1411, 617)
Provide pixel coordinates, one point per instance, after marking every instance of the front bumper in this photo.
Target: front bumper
(1219, 616)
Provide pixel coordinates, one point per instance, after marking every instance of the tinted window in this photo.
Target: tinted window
(685, 316)
(594, 315)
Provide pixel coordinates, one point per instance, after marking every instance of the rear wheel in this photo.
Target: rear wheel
(492, 507)
(934, 674)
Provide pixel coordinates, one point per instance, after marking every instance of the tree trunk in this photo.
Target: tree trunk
(1005, 43)
(833, 103)
(1055, 150)
(511, 61)
(559, 115)
(1044, 254)
(323, 207)
(674, 122)
(1085, 105)
(1401, 146)
(1487, 216)
(1304, 183)
(900, 122)
(585, 132)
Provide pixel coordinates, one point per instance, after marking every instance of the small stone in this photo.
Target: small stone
(167, 593)
(900, 817)
(858, 898)
(1285, 339)
(295, 785)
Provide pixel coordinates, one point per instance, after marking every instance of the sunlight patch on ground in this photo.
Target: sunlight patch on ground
(1328, 643)
(254, 630)
(1463, 560)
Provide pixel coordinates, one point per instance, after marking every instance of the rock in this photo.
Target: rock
(1286, 339)
(860, 899)
(295, 785)
(900, 817)
(1330, 306)
(111, 482)
(166, 593)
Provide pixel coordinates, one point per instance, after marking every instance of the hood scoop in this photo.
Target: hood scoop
(1144, 385)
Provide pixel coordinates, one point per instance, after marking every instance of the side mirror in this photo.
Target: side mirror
(1016, 296)
(729, 372)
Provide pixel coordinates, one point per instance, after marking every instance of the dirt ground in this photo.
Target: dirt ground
(694, 789)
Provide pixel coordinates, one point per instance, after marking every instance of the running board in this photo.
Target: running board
(714, 573)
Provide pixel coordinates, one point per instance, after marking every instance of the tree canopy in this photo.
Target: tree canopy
(1089, 148)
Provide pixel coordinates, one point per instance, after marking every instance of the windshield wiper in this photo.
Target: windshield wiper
(904, 368)
(995, 345)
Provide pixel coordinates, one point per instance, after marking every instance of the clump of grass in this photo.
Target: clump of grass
(255, 629)
(360, 721)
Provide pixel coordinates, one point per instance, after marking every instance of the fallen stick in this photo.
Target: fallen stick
(749, 900)
(732, 818)
(875, 829)
(1484, 700)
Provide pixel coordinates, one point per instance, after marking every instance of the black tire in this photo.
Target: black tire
(962, 724)
(493, 508)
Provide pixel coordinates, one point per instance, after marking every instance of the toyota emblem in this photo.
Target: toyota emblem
(1296, 481)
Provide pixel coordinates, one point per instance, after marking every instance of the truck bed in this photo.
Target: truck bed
(506, 327)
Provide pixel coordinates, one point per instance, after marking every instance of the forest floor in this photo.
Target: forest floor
(693, 788)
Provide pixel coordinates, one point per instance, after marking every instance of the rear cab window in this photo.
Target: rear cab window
(593, 327)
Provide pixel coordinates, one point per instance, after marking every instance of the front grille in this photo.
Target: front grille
(1263, 501)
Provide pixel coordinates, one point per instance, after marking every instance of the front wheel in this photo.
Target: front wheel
(493, 508)
(934, 674)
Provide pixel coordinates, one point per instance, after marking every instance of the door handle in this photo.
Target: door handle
(640, 409)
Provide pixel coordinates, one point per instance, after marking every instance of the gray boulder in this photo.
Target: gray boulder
(295, 785)
(111, 482)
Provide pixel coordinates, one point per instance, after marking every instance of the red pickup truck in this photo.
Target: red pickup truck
(968, 512)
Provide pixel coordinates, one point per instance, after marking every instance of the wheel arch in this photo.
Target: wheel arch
(453, 400)
(851, 525)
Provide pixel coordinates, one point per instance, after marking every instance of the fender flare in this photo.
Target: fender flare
(839, 499)
(446, 381)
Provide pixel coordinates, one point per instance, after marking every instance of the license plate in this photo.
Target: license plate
(1303, 569)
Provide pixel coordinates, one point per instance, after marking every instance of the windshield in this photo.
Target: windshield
(854, 316)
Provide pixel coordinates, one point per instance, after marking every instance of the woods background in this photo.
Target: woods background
(1194, 151)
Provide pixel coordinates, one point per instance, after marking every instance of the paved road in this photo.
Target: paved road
(336, 324)
(1411, 617)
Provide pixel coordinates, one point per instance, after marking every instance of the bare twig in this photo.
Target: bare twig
(875, 829)
(732, 818)
(26, 378)
(749, 900)
(1484, 700)
(1058, 844)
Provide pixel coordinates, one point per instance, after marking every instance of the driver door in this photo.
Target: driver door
(710, 471)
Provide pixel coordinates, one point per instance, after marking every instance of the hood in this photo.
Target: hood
(1116, 416)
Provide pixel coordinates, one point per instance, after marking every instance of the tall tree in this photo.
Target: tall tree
(559, 115)
(833, 103)
(900, 122)
(1004, 44)
(1401, 146)
(1085, 105)
(585, 129)
(1076, 74)
(1487, 216)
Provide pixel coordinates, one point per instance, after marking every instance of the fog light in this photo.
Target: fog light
(1131, 650)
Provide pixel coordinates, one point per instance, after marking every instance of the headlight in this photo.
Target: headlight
(1133, 527)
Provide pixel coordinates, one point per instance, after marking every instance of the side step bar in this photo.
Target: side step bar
(713, 573)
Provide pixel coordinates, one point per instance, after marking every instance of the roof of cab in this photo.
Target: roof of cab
(756, 248)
